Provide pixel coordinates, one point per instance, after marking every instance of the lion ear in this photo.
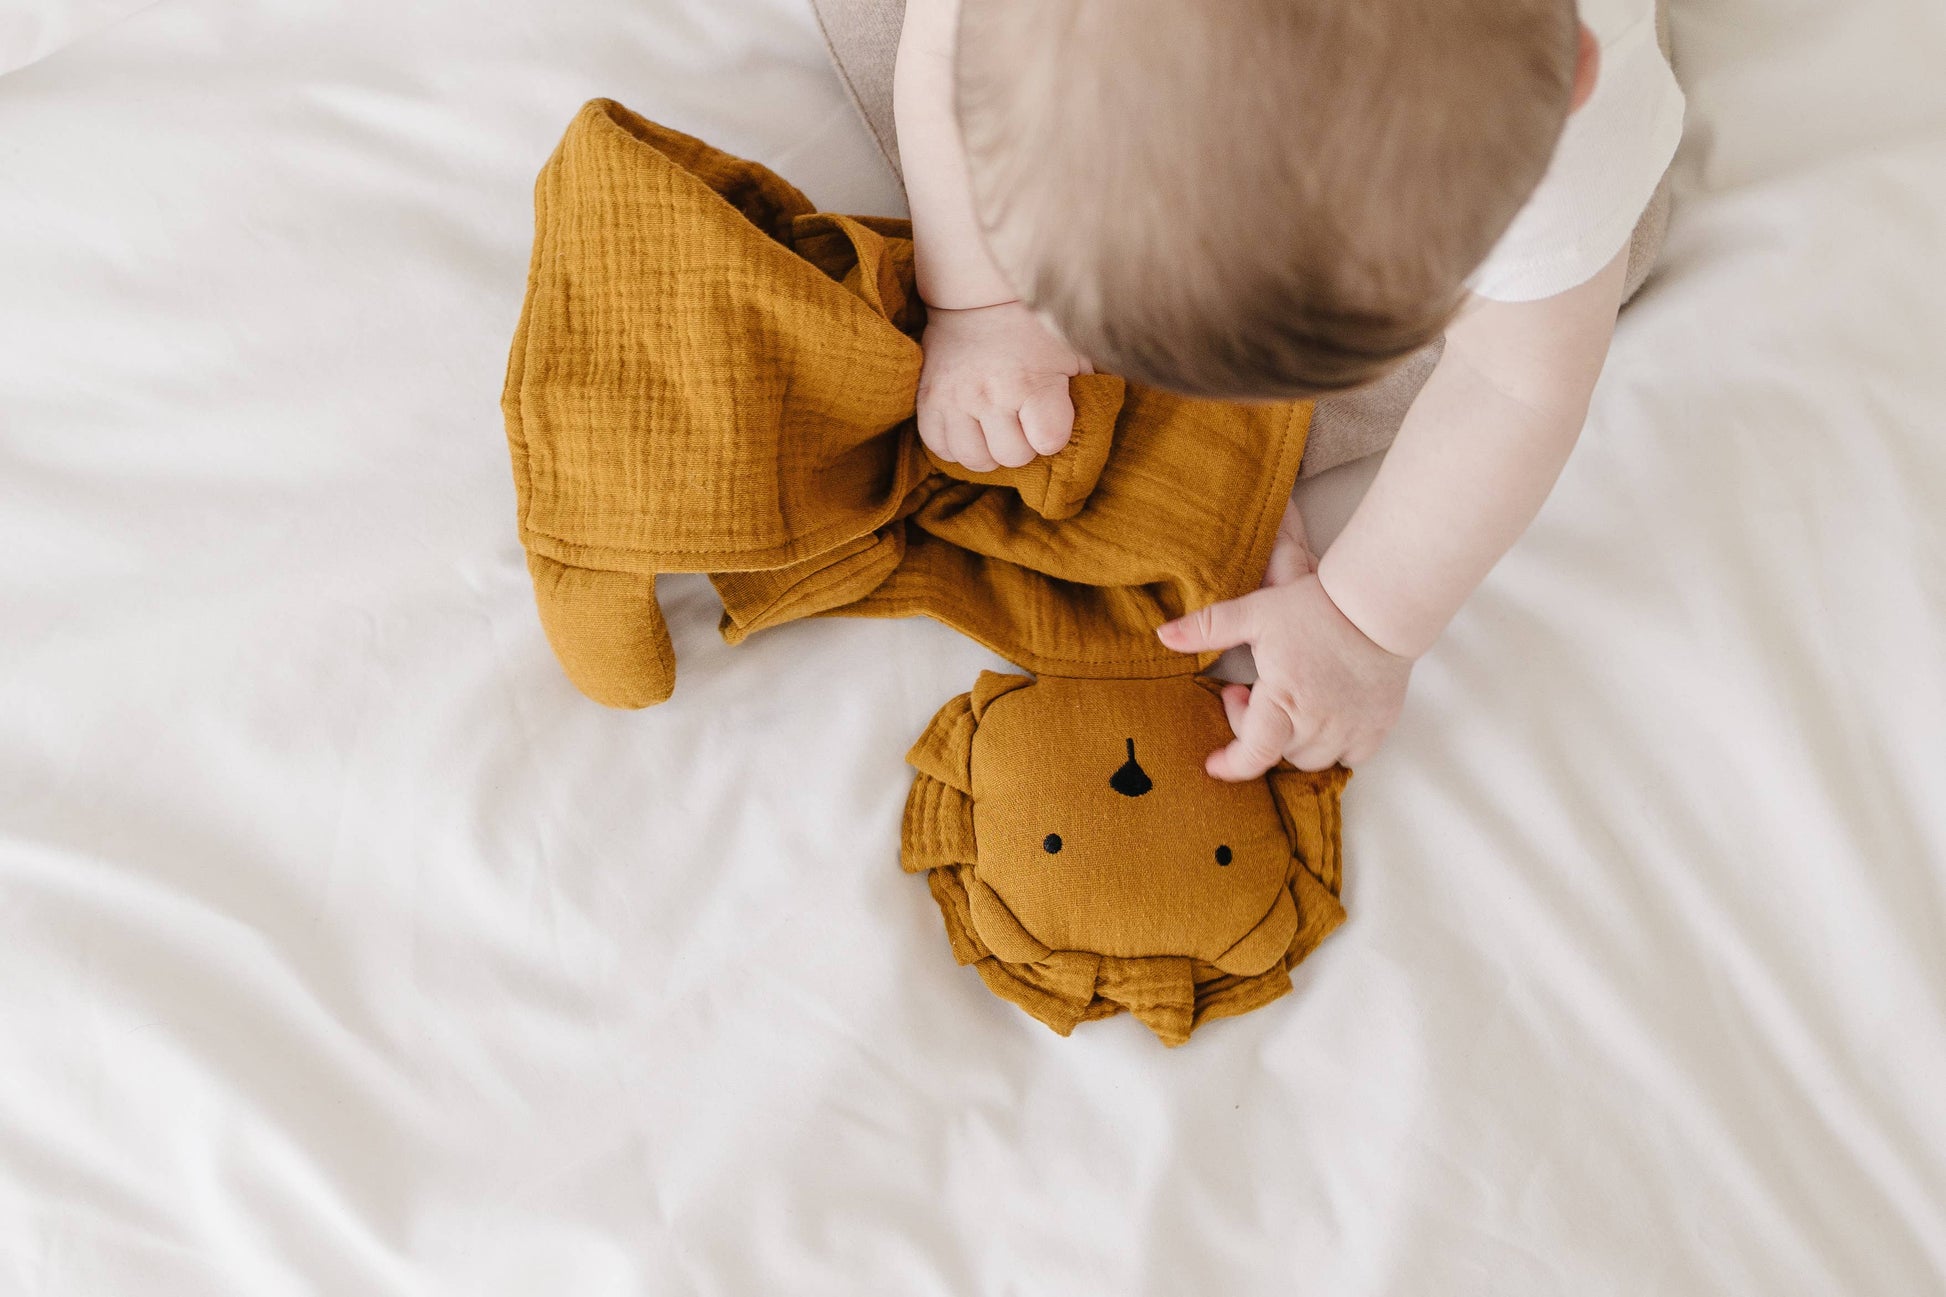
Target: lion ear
(992, 685)
(945, 749)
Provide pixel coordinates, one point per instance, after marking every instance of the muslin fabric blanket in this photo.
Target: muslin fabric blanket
(710, 375)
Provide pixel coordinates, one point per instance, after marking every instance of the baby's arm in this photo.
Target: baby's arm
(994, 389)
(1476, 456)
(954, 270)
(1474, 459)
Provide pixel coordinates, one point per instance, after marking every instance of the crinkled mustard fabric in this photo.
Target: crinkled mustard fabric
(710, 375)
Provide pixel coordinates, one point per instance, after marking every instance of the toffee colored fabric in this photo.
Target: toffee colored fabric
(862, 37)
(709, 375)
(1076, 893)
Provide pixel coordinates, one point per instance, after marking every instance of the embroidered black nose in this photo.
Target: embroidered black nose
(1131, 780)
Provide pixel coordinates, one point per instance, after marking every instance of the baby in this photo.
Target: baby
(1269, 199)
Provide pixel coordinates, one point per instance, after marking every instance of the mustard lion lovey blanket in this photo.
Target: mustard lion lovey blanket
(710, 375)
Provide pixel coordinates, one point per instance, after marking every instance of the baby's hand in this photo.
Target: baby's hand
(1324, 692)
(994, 387)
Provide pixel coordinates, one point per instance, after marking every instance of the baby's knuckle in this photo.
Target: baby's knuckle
(1259, 747)
(1291, 703)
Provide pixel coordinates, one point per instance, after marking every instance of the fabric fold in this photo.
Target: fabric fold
(710, 375)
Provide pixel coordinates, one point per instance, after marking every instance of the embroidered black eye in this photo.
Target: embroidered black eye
(1223, 856)
(1051, 844)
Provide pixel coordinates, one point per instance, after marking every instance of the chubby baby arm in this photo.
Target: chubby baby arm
(1475, 458)
(994, 386)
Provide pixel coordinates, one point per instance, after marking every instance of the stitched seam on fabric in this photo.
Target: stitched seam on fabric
(816, 583)
(929, 591)
(759, 560)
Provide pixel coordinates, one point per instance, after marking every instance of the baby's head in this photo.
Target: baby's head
(1256, 198)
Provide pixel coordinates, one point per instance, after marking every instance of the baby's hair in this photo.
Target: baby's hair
(1255, 198)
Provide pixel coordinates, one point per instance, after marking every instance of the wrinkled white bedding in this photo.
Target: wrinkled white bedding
(344, 949)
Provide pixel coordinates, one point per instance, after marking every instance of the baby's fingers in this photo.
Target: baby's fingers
(1236, 700)
(1004, 439)
(1361, 747)
(1259, 742)
(932, 430)
(1290, 553)
(1047, 418)
(1320, 751)
(969, 444)
(1212, 629)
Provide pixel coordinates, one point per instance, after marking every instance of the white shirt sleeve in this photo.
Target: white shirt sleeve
(1611, 156)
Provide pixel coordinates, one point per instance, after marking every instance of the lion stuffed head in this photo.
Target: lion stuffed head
(1085, 863)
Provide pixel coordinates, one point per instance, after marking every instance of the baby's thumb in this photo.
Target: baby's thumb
(1262, 730)
(1212, 629)
(1047, 418)
(1290, 552)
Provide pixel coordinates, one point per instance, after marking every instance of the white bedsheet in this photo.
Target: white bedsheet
(344, 949)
